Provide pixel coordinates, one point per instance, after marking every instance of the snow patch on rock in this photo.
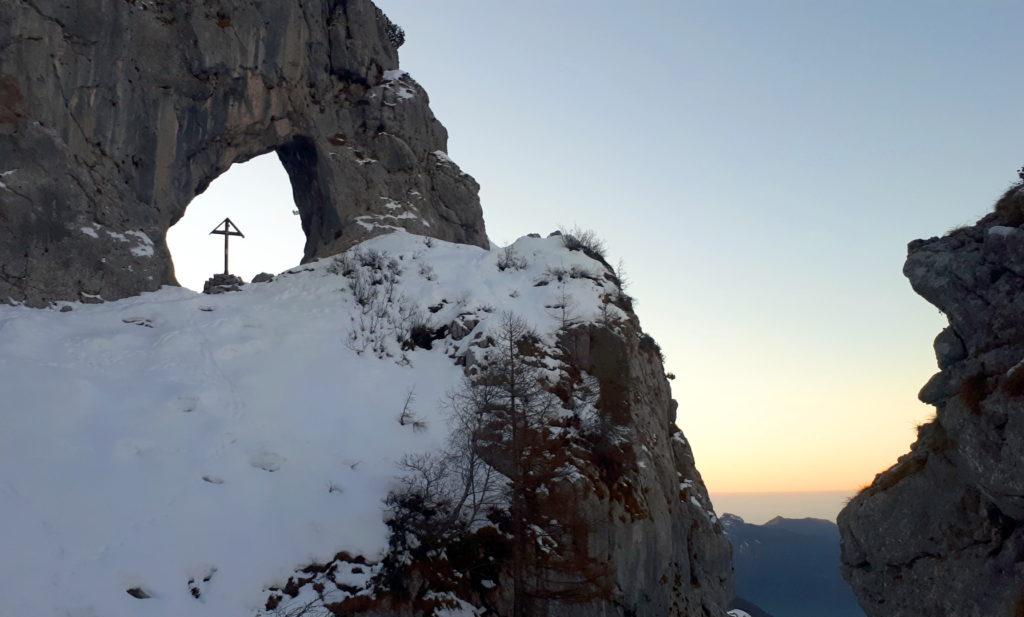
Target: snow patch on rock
(4, 175)
(1002, 231)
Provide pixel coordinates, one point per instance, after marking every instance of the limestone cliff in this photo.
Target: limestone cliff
(217, 442)
(114, 114)
(941, 533)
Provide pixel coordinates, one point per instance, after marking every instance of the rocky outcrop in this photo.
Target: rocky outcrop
(656, 523)
(942, 532)
(645, 539)
(114, 114)
(222, 283)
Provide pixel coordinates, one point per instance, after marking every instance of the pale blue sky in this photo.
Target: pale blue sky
(760, 168)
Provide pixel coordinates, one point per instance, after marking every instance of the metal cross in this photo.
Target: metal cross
(230, 229)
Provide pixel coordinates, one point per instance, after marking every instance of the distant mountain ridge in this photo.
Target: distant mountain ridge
(789, 567)
(806, 526)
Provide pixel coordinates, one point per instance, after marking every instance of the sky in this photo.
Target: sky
(759, 168)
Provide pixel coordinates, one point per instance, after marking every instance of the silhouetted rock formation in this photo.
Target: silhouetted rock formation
(940, 532)
(114, 114)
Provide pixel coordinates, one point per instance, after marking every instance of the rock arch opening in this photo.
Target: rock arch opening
(172, 99)
(257, 195)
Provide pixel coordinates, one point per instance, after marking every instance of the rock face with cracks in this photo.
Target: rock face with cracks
(942, 531)
(115, 114)
(669, 552)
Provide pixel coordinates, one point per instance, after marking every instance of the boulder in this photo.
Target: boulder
(462, 326)
(221, 283)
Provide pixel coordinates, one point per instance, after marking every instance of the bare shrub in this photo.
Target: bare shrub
(648, 344)
(500, 471)
(427, 272)
(556, 272)
(394, 32)
(508, 259)
(621, 276)
(1010, 206)
(585, 240)
(384, 314)
(340, 265)
(420, 335)
(408, 416)
(607, 314)
(565, 310)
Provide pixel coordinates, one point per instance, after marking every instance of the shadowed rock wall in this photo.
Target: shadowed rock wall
(941, 533)
(114, 114)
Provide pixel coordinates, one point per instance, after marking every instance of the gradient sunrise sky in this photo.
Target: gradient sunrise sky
(760, 168)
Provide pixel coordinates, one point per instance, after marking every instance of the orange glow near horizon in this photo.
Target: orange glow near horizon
(768, 417)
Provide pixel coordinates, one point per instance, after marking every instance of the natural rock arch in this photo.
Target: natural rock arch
(115, 114)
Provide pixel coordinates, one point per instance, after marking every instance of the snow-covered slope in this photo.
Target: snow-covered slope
(177, 444)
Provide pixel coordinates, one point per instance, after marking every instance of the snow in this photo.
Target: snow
(144, 248)
(4, 175)
(142, 244)
(1002, 231)
(394, 78)
(370, 222)
(409, 210)
(463, 609)
(738, 613)
(709, 513)
(175, 437)
(443, 157)
(405, 93)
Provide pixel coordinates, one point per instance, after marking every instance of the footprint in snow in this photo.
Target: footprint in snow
(185, 404)
(267, 461)
(197, 584)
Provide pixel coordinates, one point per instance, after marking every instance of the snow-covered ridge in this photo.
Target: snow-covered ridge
(198, 449)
